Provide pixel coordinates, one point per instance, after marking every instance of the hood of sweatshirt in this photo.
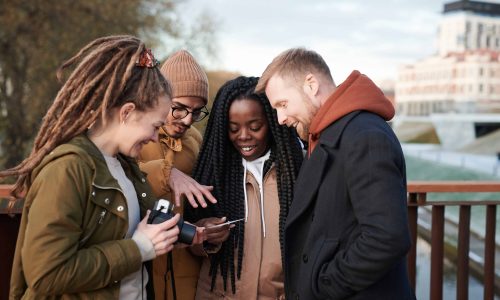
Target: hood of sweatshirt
(357, 92)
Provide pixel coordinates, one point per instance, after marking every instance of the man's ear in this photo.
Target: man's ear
(126, 110)
(311, 85)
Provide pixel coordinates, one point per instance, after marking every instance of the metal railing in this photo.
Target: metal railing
(417, 197)
(10, 217)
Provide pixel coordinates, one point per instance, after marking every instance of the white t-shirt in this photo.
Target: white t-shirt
(133, 284)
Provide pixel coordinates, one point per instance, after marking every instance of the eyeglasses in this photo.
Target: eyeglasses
(180, 112)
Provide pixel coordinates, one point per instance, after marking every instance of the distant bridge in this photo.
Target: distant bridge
(456, 130)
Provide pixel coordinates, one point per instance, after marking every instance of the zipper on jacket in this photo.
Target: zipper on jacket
(94, 228)
(101, 217)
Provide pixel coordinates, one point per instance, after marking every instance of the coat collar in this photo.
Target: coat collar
(331, 136)
(82, 146)
(170, 142)
(103, 177)
(311, 173)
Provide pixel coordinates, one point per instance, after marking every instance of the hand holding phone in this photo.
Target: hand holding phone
(216, 230)
(226, 223)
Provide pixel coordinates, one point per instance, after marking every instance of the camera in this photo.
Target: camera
(163, 211)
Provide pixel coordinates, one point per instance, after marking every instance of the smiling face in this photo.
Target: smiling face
(177, 127)
(141, 127)
(293, 105)
(248, 128)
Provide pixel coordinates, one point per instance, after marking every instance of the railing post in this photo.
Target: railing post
(412, 254)
(437, 235)
(489, 252)
(463, 253)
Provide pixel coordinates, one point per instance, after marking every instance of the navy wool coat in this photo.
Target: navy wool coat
(346, 235)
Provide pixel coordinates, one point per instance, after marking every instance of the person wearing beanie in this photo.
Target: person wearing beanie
(168, 164)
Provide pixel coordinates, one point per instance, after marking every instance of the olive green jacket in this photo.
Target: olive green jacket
(71, 240)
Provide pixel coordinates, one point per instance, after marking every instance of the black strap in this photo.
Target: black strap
(170, 267)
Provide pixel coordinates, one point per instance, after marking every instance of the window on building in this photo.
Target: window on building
(479, 35)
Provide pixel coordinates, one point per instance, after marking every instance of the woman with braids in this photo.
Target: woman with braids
(252, 163)
(81, 233)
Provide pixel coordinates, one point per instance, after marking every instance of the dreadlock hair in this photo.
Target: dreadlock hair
(106, 76)
(219, 164)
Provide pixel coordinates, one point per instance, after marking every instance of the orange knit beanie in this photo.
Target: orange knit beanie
(185, 75)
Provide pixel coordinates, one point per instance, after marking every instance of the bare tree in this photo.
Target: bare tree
(36, 36)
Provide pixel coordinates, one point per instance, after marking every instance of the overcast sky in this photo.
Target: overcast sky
(373, 36)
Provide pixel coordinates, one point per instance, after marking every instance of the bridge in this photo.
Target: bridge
(455, 130)
(428, 223)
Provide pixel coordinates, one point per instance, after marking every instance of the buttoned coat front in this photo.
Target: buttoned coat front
(346, 235)
(71, 242)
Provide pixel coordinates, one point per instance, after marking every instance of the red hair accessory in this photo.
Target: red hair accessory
(147, 59)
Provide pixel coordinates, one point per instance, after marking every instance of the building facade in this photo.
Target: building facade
(464, 76)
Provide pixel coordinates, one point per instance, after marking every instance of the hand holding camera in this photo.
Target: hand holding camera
(163, 212)
(163, 236)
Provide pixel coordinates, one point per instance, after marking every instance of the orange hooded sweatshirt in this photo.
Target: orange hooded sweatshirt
(357, 92)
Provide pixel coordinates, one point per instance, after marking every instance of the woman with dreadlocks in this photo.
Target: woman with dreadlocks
(81, 235)
(251, 161)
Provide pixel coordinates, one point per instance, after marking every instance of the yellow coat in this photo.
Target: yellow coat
(157, 159)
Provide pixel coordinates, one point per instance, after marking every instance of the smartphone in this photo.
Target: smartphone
(226, 223)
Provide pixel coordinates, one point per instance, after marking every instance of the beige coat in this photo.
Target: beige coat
(261, 274)
(156, 160)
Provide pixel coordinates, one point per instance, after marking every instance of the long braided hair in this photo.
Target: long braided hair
(219, 164)
(106, 76)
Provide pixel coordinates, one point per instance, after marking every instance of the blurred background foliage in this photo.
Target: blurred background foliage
(215, 80)
(37, 36)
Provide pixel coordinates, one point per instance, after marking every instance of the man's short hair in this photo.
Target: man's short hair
(295, 63)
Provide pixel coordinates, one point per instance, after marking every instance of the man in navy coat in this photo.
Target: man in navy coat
(346, 235)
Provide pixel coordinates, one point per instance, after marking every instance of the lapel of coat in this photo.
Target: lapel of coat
(311, 173)
(307, 183)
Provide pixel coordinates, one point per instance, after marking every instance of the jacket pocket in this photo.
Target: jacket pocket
(95, 221)
(324, 256)
(98, 212)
